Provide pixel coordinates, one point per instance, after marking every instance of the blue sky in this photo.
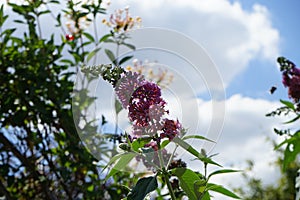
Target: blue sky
(257, 80)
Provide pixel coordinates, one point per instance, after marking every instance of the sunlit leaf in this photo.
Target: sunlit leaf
(187, 179)
(193, 151)
(196, 137)
(220, 189)
(222, 171)
(123, 161)
(288, 104)
(140, 142)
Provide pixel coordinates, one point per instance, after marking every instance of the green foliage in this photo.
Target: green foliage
(189, 181)
(291, 143)
(192, 183)
(288, 149)
(142, 188)
(194, 152)
(282, 189)
(121, 163)
(41, 154)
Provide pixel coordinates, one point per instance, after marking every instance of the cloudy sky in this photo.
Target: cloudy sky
(243, 38)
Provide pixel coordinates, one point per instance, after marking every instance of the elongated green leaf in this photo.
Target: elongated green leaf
(121, 164)
(196, 137)
(112, 160)
(110, 55)
(206, 196)
(110, 41)
(118, 106)
(67, 61)
(142, 188)
(288, 104)
(291, 152)
(123, 60)
(187, 179)
(89, 36)
(43, 12)
(193, 151)
(220, 189)
(164, 144)
(105, 37)
(292, 120)
(92, 54)
(130, 46)
(223, 171)
(290, 140)
(19, 21)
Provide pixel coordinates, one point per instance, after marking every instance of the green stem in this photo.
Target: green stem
(171, 191)
(96, 38)
(117, 121)
(165, 174)
(205, 170)
(161, 161)
(172, 156)
(117, 53)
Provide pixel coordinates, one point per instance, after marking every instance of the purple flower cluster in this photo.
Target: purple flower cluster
(146, 110)
(146, 107)
(291, 79)
(170, 129)
(125, 87)
(143, 98)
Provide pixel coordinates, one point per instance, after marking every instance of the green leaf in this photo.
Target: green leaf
(292, 120)
(43, 12)
(140, 143)
(89, 36)
(196, 137)
(110, 55)
(130, 46)
(110, 41)
(142, 188)
(123, 60)
(187, 179)
(206, 196)
(118, 106)
(90, 188)
(223, 171)
(290, 140)
(193, 151)
(92, 54)
(291, 152)
(220, 189)
(164, 144)
(123, 160)
(67, 61)
(19, 21)
(288, 104)
(105, 37)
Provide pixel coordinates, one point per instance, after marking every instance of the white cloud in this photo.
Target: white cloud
(244, 137)
(232, 36)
